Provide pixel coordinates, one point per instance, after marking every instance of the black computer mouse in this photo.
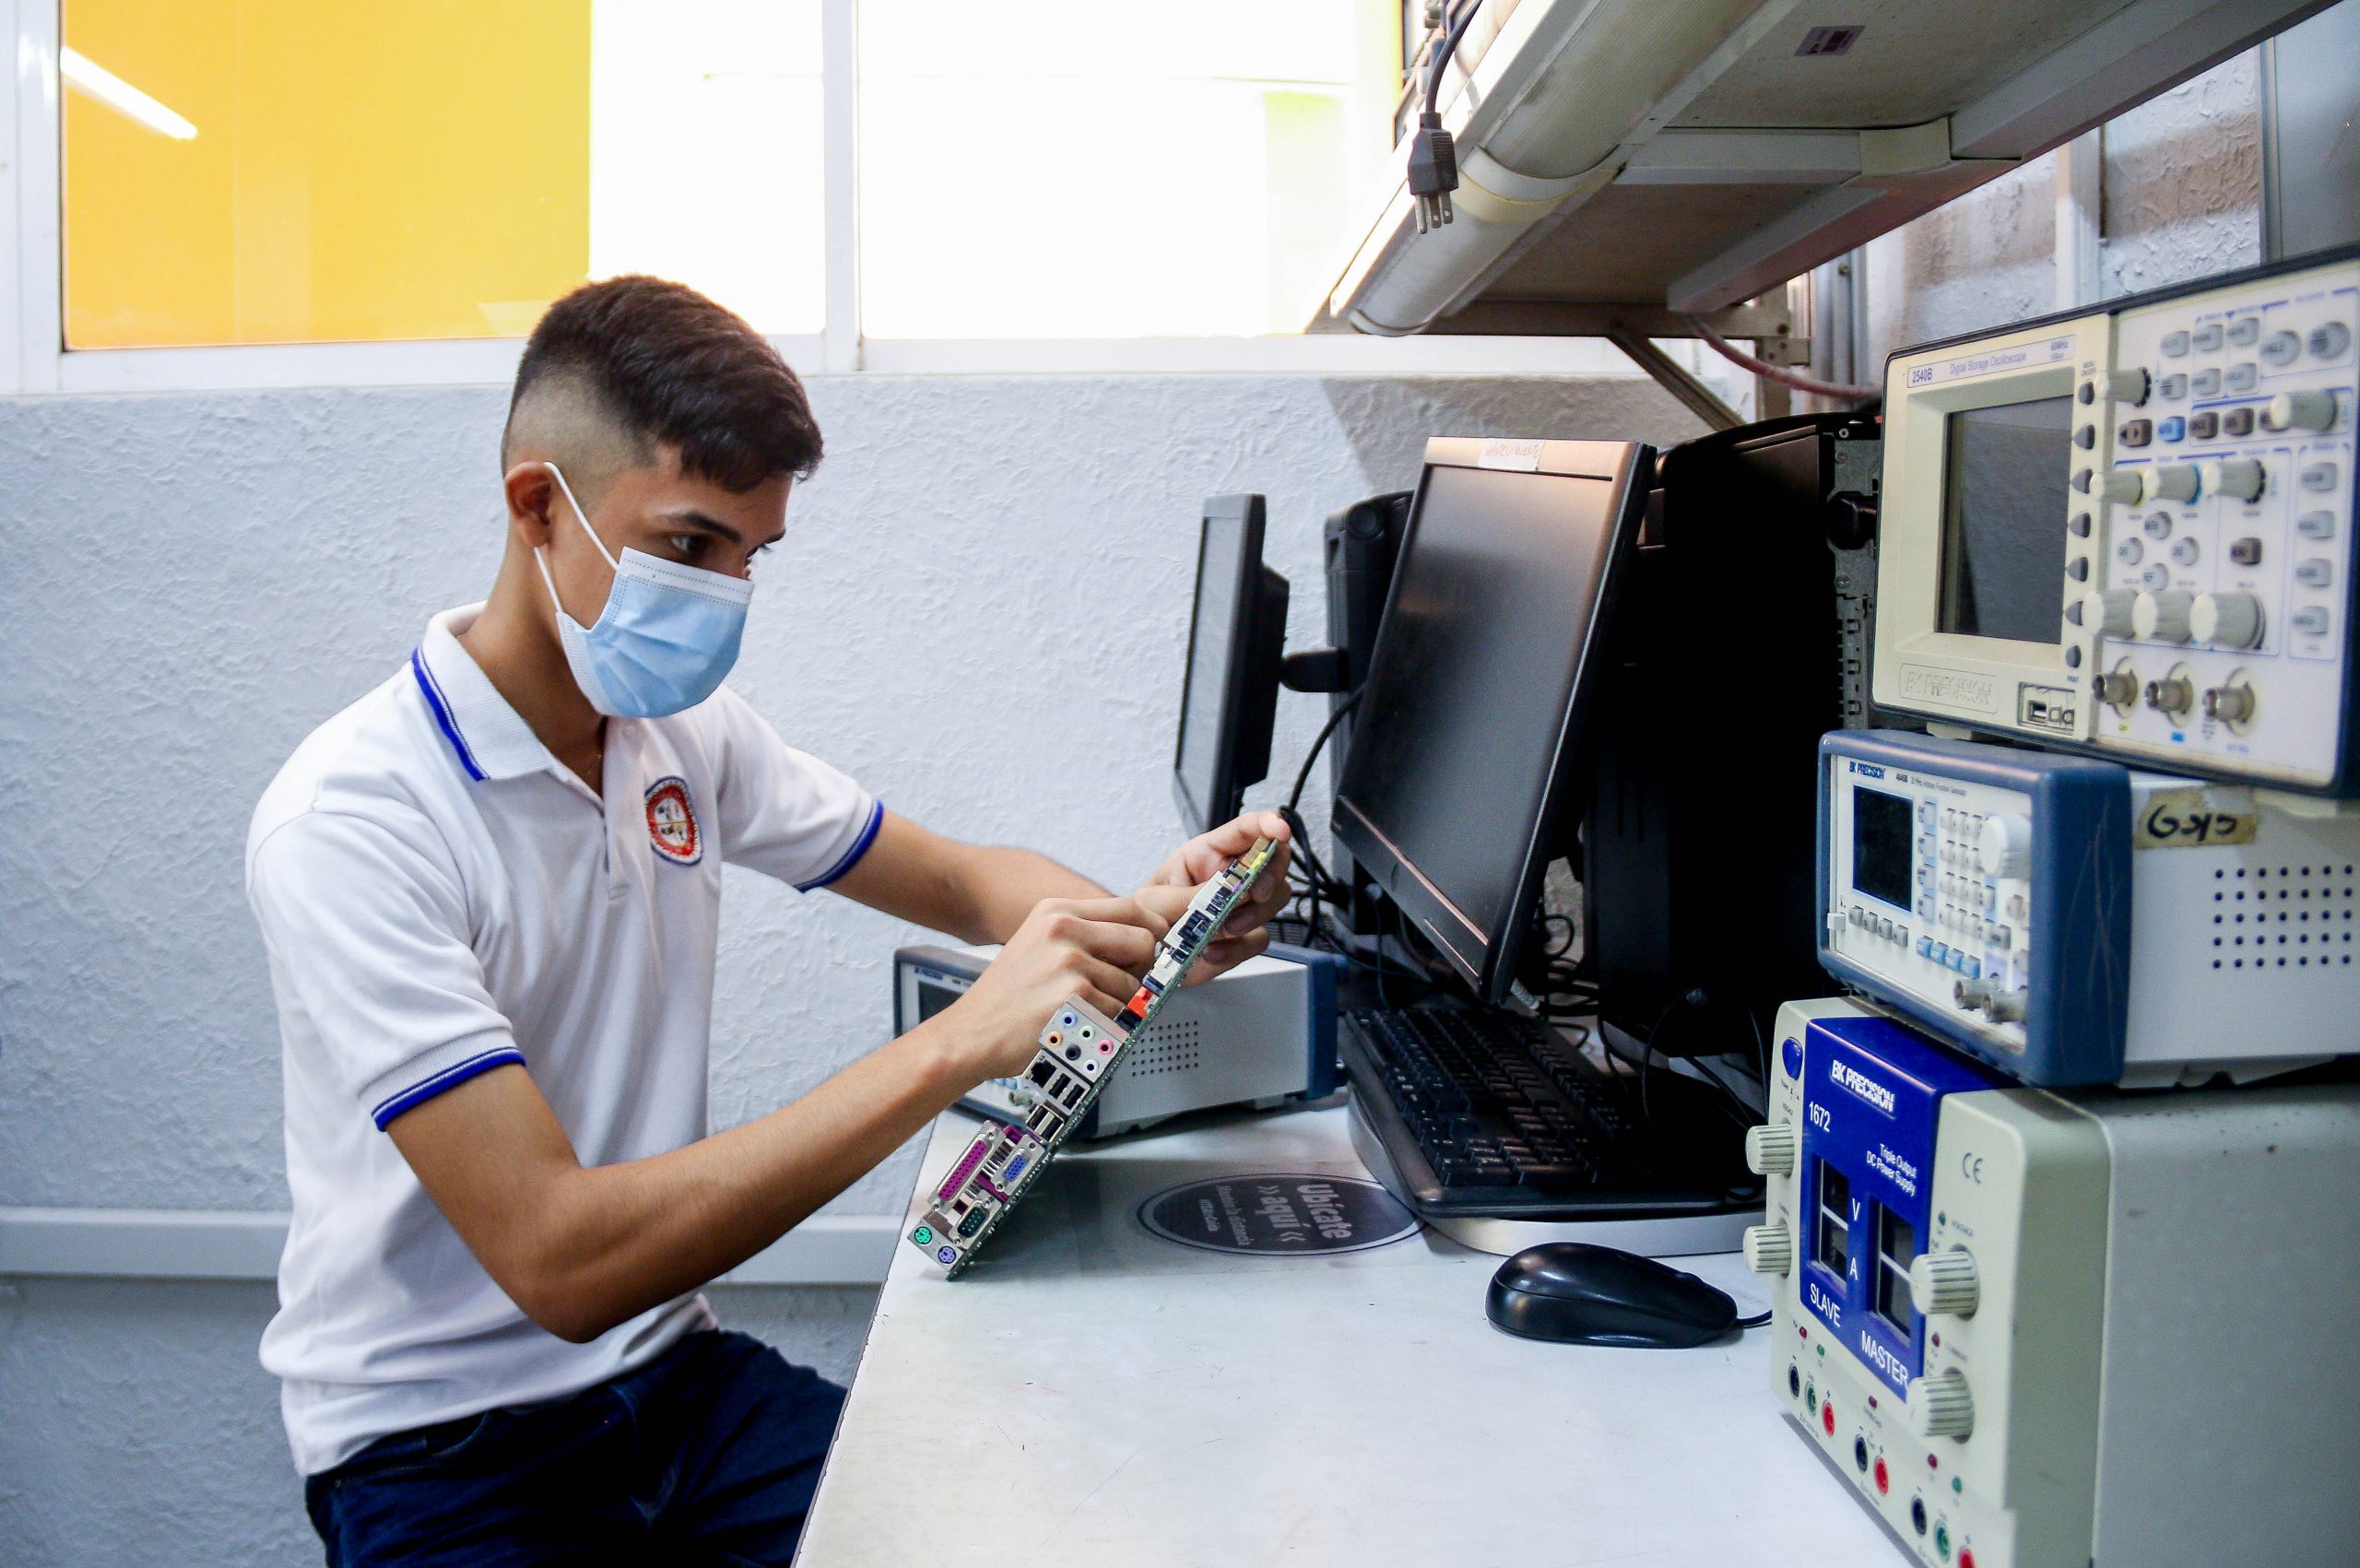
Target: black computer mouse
(1578, 1295)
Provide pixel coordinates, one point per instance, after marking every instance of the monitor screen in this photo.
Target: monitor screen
(1468, 700)
(1212, 653)
(1229, 691)
(1880, 836)
(2003, 520)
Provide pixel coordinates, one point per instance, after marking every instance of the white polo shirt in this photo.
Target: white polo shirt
(440, 896)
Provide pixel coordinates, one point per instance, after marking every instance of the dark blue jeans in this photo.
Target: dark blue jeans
(707, 1454)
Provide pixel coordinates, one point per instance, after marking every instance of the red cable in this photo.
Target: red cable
(1784, 377)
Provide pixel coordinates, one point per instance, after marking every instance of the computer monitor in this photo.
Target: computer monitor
(1460, 768)
(1230, 691)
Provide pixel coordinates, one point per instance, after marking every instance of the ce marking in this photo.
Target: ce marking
(1970, 1165)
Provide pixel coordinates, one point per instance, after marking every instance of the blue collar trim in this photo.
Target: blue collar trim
(450, 727)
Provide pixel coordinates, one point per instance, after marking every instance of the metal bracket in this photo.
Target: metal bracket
(1675, 378)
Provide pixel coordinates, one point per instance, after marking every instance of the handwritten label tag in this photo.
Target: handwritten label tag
(2190, 818)
(1522, 456)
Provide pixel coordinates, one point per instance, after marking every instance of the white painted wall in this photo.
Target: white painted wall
(2182, 198)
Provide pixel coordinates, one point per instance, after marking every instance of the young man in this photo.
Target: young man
(489, 891)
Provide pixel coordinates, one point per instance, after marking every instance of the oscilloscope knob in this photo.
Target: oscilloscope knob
(1771, 1147)
(2169, 481)
(1769, 1249)
(2123, 485)
(2241, 478)
(2299, 410)
(2124, 386)
(1945, 1281)
(2108, 609)
(2161, 617)
(1941, 1406)
(2005, 848)
(2229, 620)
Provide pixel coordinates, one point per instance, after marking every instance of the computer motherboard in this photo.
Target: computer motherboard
(1079, 1050)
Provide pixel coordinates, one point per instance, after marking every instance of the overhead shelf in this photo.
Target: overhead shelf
(1638, 161)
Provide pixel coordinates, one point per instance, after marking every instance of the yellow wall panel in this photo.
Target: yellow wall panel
(407, 168)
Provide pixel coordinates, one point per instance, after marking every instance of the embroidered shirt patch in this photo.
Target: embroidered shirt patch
(672, 822)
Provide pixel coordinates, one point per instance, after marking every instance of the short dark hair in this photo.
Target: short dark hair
(675, 369)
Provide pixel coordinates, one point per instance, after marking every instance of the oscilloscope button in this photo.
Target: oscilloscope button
(2206, 338)
(2329, 339)
(2246, 331)
(2280, 348)
(2175, 345)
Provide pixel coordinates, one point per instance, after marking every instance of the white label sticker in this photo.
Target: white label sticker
(1992, 361)
(2189, 818)
(1523, 456)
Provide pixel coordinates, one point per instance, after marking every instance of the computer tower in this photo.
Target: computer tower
(1739, 642)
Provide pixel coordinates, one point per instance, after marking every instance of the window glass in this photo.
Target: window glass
(285, 171)
(705, 160)
(1152, 168)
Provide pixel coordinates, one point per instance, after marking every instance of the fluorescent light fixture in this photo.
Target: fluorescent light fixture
(88, 76)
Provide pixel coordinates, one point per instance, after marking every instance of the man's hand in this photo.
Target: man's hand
(1197, 862)
(1094, 949)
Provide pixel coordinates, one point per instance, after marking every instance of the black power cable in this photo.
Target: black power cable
(1433, 158)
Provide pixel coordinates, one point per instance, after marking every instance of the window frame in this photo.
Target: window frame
(34, 359)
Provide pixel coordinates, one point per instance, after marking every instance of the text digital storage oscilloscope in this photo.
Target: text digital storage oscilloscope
(2129, 530)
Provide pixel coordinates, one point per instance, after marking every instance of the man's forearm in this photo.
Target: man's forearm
(612, 1241)
(1004, 884)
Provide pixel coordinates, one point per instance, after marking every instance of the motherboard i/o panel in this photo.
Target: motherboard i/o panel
(1079, 1050)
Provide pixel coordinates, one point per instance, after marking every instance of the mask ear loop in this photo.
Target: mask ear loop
(582, 517)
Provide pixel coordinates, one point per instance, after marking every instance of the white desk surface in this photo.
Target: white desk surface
(1090, 1394)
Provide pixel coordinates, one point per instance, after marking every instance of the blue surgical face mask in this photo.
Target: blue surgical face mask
(666, 638)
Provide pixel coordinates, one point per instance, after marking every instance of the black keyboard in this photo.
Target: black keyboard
(1486, 1113)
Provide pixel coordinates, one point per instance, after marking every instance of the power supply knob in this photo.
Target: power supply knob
(1944, 1281)
(2169, 481)
(2005, 848)
(1941, 1406)
(2299, 411)
(2225, 620)
(2240, 478)
(1771, 1147)
(1769, 1249)
(2161, 617)
(2108, 609)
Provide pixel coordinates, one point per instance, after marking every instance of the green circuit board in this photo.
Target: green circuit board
(1079, 1051)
